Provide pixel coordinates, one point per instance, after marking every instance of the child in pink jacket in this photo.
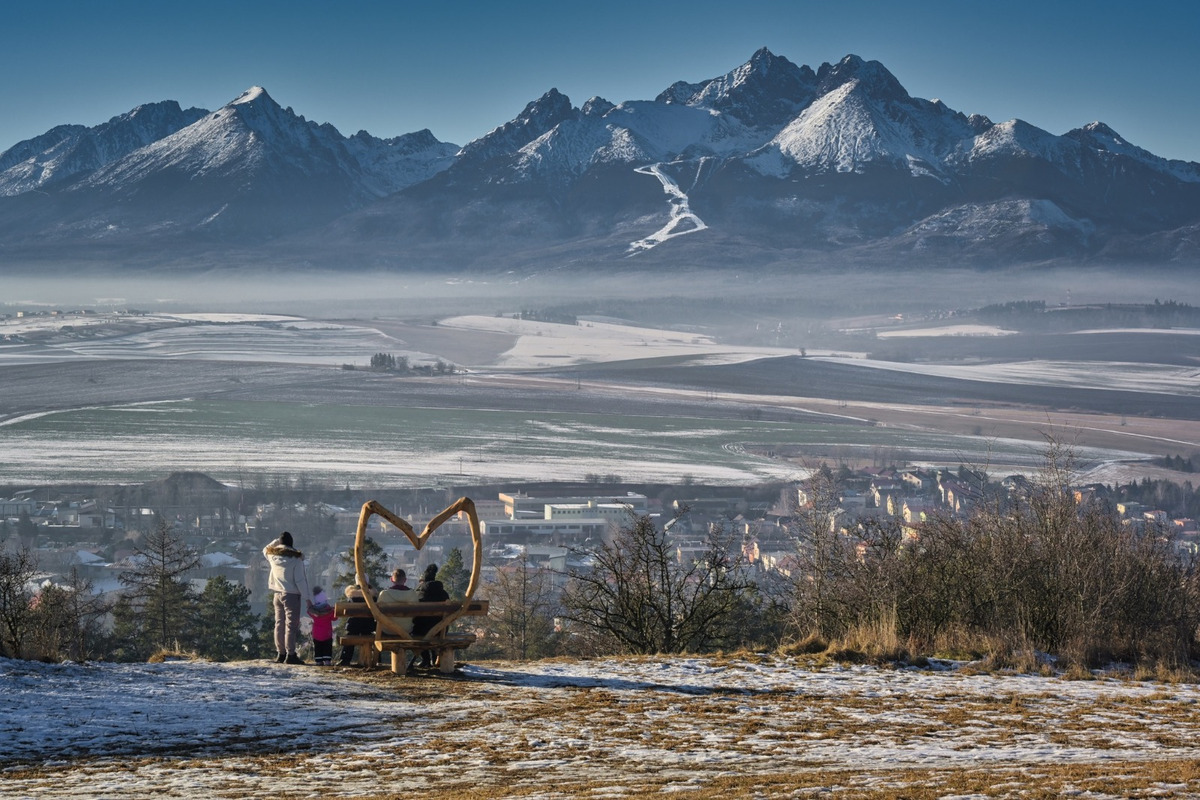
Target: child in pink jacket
(322, 633)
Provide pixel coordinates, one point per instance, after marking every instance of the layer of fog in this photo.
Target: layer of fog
(670, 298)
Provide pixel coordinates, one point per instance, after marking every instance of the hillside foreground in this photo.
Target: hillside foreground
(733, 726)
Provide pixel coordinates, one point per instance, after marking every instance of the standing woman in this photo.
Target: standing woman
(289, 583)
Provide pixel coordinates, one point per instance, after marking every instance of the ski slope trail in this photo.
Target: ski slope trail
(683, 220)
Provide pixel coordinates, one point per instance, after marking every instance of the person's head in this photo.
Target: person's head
(285, 539)
(431, 572)
(352, 591)
(399, 576)
(319, 597)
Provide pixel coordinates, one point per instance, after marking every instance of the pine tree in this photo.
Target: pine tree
(454, 575)
(157, 590)
(226, 627)
(374, 559)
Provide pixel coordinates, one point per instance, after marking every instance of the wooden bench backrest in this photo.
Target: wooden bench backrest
(472, 608)
(384, 621)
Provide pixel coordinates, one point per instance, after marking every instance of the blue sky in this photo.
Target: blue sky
(461, 70)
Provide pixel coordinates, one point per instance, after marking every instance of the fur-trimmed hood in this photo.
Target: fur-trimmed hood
(278, 548)
(287, 569)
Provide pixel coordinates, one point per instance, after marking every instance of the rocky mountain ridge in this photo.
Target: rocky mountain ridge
(770, 164)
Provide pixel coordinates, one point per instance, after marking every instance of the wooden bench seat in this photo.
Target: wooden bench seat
(404, 650)
(366, 644)
(443, 643)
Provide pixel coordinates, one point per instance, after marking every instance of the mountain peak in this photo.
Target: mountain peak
(250, 96)
(872, 75)
(552, 105)
(1101, 129)
(596, 106)
(538, 117)
(761, 56)
(767, 90)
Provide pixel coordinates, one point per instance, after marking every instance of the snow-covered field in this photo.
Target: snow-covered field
(1159, 378)
(262, 338)
(253, 394)
(380, 446)
(946, 330)
(548, 344)
(743, 726)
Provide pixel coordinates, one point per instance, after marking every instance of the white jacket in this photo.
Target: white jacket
(391, 595)
(287, 570)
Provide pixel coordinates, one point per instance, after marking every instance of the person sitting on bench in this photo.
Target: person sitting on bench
(355, 626)
(429, 590)
(399, 592)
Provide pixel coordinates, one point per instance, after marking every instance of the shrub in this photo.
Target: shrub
(1034, 575)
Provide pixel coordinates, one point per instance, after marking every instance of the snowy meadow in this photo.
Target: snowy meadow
(103, 398)
(749, 725)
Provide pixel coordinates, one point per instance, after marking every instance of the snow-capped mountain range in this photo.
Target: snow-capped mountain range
(769, 164)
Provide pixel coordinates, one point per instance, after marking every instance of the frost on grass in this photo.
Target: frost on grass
(711, 726)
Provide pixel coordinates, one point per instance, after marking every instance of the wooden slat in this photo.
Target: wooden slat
(475, 608)
(449, 640)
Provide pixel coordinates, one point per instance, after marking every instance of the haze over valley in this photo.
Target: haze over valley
(665, 385)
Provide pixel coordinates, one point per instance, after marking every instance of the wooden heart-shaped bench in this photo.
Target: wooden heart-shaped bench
(391, 633)
(405, 647)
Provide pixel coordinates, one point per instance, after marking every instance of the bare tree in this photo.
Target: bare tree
(68, 619)
(524, 603)
(639, 594)
(16, 571)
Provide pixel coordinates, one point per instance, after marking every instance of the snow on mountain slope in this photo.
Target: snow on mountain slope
(1099, 137)
(862, 116)
(682, 219)
(570, 147)
(766, 91)
(537, 118)
(70, 150)
(239, 138)
(254, 133)
(675, 130)
(1020, 139)
(836, 133)
(638, 133)
(738, 149)
(390, 165)
(981, 222)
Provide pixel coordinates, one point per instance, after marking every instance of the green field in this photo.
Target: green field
(242, 441)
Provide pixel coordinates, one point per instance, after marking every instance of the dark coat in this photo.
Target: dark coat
(359, 626)
(428, 592)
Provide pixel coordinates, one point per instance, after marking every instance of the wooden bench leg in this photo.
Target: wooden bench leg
(399, 661)
(446, 661)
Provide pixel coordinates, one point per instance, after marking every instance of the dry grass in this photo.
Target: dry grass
(164, 654)
(488, 739)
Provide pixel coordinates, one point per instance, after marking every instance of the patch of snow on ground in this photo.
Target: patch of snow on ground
(1177, 331)
(947, 330)
(540, 729)
(542, 344)
(260, 338)
(1135, 377)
